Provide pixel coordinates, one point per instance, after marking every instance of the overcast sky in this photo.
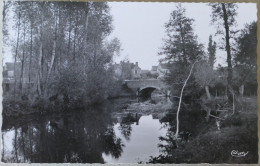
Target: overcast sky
(140, 27)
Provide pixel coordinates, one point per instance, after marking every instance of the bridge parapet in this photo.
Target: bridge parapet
(142, 84)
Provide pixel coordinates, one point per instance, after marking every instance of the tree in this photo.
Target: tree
(205, 76)
(59, 41)
(17, 44)
(223, 15)
(126, 70)
(180, 100)
(245, 57)
(181, 44)
(181, 49)
(211, 52)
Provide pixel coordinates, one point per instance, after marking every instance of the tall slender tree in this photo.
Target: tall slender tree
(211, 52)
(223, 15)
(181, 50)
(181, 44)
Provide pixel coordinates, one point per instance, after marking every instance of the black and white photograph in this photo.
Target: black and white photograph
(129, 82)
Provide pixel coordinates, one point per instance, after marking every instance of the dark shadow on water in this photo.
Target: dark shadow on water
(81, 137)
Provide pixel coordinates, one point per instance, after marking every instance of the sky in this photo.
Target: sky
(140, 27)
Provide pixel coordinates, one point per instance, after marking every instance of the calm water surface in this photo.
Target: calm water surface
(98, 135)
(142, 143)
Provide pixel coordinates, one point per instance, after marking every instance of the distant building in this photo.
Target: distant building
(154, 70)
(127, 70)
(145, 74)
(145, 71)
(163, 69)
(136, 70)
(8, 72)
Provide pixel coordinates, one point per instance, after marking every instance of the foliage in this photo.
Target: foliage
(181, 49)
(63, 48)
(181, 44)
(204, 74)
(223, 16)
(245, 56)
(211, 52)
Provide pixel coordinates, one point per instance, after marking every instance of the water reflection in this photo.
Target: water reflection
(76, 137)
(92, 136)
(143, 143)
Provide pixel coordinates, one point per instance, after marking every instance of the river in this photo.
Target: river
(121, 131)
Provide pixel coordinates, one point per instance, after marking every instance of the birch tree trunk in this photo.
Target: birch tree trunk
(207, 92)
(52, 58)
(241, 90)
(179, 107)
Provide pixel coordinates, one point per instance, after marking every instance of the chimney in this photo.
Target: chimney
(136, 64)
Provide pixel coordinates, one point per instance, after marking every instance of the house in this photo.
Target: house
(127, 70)
(136, 70)
(163, 69)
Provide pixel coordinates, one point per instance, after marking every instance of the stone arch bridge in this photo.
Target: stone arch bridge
(145, 87)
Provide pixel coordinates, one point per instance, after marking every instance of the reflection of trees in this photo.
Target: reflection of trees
(126, 125)
(112, 144)
(81, 137)
(188, 127)
(125, 129)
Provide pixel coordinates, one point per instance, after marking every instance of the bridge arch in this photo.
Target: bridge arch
(146, 87)
(147, 91)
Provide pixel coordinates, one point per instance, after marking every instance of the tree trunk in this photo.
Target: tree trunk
(3, 147)
(229, 78)
(22, 63)
(52, 58)
(30, 59)
(39, 75)
(75, 36)
(69, 35)
(178, 111)
(15, 145)
(241, 90)
(85, 28)
(207, 92)
(16, 52)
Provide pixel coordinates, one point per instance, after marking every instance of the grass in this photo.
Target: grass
(212, 146)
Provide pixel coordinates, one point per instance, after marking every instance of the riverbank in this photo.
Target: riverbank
(237, 134)
(19, 106)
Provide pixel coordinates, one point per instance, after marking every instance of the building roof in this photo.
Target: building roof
(134, 66)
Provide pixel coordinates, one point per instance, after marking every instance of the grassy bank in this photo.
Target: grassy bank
(239, 132)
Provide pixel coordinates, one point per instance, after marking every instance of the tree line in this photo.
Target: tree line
(182, 49)
(61, 50)
(192, 69)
